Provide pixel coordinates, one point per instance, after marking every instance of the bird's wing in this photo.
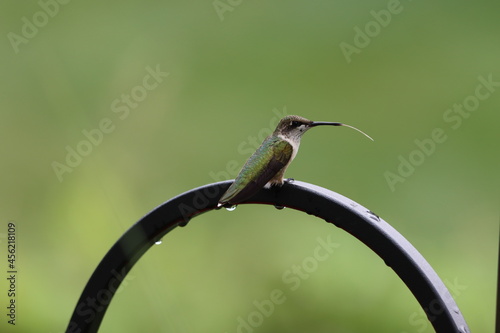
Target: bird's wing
(260, 168)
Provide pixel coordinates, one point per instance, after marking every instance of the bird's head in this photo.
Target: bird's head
(293, 127)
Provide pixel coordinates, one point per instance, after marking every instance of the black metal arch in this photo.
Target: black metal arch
(360, 222)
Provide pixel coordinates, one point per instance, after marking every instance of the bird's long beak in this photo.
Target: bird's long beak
(321, 123)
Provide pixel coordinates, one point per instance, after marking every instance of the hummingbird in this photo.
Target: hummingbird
(267, 166)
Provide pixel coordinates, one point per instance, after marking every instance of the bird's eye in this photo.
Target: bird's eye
(295, 123)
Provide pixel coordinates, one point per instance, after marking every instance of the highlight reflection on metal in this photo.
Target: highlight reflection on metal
(334, 208)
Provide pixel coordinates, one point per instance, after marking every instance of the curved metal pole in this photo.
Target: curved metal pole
(360, 222)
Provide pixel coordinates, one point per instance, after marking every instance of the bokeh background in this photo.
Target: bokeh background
(235, 67)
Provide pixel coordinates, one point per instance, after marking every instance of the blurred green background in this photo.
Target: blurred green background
(233, 69)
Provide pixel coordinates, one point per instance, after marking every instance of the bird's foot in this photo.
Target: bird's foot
(228, 206)
(288, 180)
